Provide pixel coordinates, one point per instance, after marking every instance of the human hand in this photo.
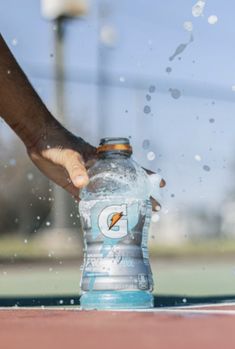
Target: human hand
(64, 158)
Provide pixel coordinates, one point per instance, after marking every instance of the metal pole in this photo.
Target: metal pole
(102, 75)
(59, 209)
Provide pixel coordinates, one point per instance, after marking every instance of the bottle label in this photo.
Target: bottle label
(113, 221)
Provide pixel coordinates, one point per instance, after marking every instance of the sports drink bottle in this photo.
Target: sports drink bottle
(115, 212)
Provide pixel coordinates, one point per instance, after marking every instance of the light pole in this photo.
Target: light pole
(107, 40)
(58, 11)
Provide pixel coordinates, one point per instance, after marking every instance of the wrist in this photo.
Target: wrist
(54, 135)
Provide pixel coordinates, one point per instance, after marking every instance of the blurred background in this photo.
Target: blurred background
(162, 74)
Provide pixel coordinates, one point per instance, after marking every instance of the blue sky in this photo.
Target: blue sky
(200, 122)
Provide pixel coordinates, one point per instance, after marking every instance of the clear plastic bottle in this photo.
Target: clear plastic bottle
(115, 213)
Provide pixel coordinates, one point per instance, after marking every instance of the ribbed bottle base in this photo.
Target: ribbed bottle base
(102, 300)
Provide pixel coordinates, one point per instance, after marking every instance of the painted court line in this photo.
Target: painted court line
(194, 309)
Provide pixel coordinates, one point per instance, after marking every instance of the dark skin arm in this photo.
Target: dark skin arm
(59, 154)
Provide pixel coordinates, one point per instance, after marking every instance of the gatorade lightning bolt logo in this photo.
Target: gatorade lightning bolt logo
(115, 218)
(112, 221)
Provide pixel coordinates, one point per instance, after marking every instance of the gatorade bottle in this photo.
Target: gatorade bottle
(115, 213)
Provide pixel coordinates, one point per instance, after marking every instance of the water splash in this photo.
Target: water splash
(188, 26)
(168, 70)
(197, 157)
(206, 168)
(152, 89)
(181, 48)
(147, 109)
(198, 8)
(151, 156)
(213, 19)
(175, 93)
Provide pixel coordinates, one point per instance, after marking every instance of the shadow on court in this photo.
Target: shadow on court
(159, 301)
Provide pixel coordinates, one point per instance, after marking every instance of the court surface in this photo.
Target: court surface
(204, 326)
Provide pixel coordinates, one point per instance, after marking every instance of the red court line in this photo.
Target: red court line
(24, 329)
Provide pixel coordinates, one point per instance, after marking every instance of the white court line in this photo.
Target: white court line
(171, 310)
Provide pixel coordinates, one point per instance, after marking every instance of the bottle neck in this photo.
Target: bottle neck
(114, 155)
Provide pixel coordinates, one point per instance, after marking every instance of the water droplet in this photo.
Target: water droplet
(8, 72)
(148, 97)
(184, 300)
(175, 93)
(25, 241)
(197, 157)
(146, 144)
(213, 19)
(206, 168)
(38, 218)
(168, 70)
(152, 89)
(72, 301)
(14, 42)
(151, 156)
(233, 88)
(108, 35)
(180, 48)
(158, 208)
(172, 195)
(50, 269)
(211, 120)
(155, 217)
(48, 223)
(61, 301)
(122, 79)
(30, 176)
(147, 109)
(188, 26)
(197, 9)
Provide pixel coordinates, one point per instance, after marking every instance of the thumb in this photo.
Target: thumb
(72, 161)
(75, 167)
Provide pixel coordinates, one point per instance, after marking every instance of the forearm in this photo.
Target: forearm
(20, 106)
(25, 113)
